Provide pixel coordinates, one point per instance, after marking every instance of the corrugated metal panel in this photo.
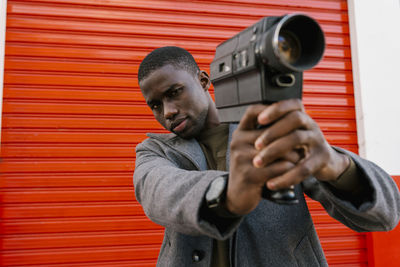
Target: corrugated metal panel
(383, 247)
(73, 114)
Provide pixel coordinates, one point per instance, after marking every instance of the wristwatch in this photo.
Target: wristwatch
(216, 192)
(215, 198)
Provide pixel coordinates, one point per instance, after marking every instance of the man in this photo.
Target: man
(203, 182)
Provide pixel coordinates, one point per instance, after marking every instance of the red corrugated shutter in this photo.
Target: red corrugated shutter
(73, 114)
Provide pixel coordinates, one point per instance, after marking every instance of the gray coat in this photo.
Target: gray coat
(171, 178)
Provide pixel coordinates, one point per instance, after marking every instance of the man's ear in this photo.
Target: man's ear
(204, 80)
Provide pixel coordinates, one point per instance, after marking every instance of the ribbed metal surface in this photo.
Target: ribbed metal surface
(73, 114)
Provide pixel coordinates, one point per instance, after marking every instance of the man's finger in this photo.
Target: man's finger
(302, 171)
(278, 168)
(279, 148)
(292, 121)
(278, 110)
(261, 175)
(293, 156)
(244, 138)
(249, 119)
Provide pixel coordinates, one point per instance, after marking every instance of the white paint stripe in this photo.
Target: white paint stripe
(375, 45)
(3, 14)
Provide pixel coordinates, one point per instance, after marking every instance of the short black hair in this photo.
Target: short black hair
(176, 56)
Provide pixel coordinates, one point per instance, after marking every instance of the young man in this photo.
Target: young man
(203, 182)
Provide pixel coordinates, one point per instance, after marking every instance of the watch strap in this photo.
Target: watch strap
(216, 205)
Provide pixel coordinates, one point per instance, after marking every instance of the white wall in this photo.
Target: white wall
(375, 45)
(3, 14)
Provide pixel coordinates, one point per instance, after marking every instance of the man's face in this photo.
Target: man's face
(178, 100)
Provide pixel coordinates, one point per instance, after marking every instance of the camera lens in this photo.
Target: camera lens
(289, 47)
(295, 43)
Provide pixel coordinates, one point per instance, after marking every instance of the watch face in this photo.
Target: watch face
(215, 191)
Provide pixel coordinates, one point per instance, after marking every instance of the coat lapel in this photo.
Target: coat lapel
(190, 148)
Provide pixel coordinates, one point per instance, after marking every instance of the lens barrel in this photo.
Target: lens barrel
(295, 43)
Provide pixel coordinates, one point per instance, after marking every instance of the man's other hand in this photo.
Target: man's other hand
(245, 180)
(291, 128)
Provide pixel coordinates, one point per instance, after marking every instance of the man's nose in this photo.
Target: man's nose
(170, 110)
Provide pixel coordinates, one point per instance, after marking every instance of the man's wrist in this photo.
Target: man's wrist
(352, 185)
(216, 198)
(336, 166)
(348, 180)
(223, 212)
(343, 164)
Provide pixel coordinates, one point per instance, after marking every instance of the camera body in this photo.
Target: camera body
(264, 63)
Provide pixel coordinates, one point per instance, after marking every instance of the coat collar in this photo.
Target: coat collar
(190, 147)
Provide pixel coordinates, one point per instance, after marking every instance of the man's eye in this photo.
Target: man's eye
(155, 107)
(175, 92)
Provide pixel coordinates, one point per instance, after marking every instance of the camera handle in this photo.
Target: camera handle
(285, 196)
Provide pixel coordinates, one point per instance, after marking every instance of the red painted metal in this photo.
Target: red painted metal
(384, 247)
(73, 114)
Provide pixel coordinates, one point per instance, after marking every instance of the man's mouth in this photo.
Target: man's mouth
(179, 126)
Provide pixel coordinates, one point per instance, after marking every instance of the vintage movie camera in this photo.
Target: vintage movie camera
(264, 63)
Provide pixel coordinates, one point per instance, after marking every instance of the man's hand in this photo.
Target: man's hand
(292, 129)
(245, 180)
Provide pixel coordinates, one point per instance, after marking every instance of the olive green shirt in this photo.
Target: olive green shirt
(214, 144)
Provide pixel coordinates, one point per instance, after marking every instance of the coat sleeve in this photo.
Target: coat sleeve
(378, 212)
(173, 196)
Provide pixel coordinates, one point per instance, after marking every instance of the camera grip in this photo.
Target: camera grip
(285, 196)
